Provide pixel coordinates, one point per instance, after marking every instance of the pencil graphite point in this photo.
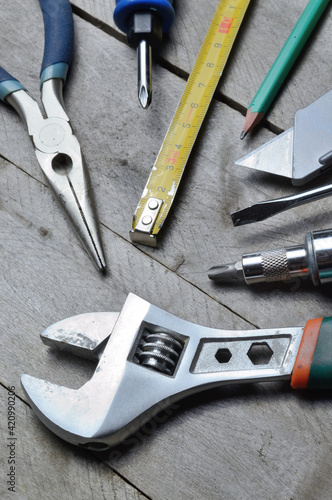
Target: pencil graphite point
(252, 119)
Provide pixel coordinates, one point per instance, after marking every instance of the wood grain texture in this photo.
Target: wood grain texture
(257, 442)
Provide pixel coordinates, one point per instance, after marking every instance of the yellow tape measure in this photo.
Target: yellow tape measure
(167, 171)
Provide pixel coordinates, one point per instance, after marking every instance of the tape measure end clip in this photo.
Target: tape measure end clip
(143, 238)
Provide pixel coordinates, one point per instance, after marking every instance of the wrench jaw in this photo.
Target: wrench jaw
(72, 416)
(60, 409)
(84, 335)
(123, 393)
(91, 416)
(77, 417)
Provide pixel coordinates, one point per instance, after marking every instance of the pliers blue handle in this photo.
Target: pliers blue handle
(56, 147)
(59, 39)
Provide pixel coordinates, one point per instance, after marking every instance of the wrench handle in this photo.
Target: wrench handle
(313, 364)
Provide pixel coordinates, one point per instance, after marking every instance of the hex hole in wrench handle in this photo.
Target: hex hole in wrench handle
(62, 164)
(223, 355)
(260, 353)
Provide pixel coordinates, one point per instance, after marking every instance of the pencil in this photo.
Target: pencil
(283, 63)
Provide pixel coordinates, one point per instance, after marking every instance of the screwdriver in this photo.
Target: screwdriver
(144, 22)
(313, 259)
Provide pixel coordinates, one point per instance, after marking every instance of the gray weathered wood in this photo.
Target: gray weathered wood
(253, 442)
(266, 27)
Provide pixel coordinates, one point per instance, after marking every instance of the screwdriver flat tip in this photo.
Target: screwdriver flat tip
(227, 272)
(144, 74)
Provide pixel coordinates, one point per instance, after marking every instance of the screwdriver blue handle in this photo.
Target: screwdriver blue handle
(124, 8)
(59, 38)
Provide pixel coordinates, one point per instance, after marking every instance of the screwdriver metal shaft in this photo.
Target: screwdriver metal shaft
(144, 78)
(265, 209)
(313, 259)
(144, 22)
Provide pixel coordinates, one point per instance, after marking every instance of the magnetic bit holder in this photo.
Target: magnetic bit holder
(313, 259)
(148, 359)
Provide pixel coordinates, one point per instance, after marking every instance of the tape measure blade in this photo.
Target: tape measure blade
(166, 174)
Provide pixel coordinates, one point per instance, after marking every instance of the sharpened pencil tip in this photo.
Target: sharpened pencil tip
(243, 134)
(252, 119)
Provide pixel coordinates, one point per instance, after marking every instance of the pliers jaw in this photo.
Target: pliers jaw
(69, 179)
(59, 155)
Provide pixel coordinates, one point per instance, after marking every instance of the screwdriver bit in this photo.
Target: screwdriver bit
(313, 259)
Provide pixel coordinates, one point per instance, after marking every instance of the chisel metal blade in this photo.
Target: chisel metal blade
(296, 152)
(274, 157)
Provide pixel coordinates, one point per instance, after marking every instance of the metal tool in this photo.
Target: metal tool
(144, 22)
(313, 259)
(149, 359)
(297, 153)
(265, 209)
(57, 148)
(166, 174)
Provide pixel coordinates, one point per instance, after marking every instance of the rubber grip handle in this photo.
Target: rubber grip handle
(59, 38)
(8, 84)
(313, 365)
(124, 9)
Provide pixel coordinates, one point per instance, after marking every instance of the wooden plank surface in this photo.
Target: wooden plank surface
(254, 442)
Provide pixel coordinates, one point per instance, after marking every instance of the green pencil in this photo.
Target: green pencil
(281, 66)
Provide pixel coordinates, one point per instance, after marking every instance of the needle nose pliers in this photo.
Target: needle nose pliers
(57, 148)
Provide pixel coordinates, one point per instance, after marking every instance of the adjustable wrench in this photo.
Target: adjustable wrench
(148, 358)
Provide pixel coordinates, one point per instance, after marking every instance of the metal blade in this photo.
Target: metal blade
(274, 157)
(295, 153)
(312, 139)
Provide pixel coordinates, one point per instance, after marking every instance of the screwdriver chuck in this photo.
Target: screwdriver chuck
(313, 259)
